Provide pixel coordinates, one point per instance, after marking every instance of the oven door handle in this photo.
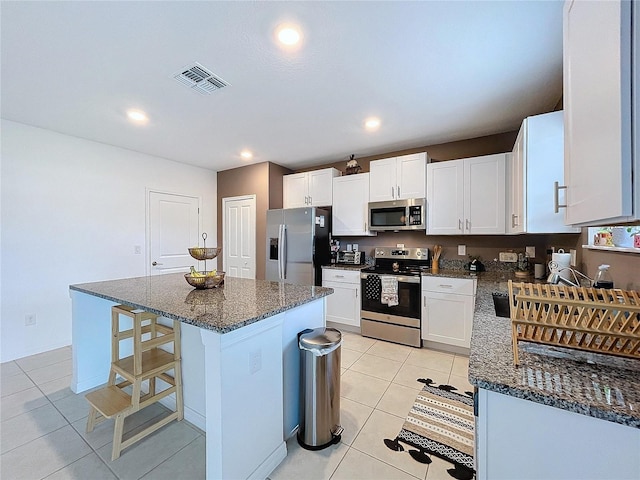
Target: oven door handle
(400, 278)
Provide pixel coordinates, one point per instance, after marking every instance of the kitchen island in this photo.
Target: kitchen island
(240, 357)
(561, 413)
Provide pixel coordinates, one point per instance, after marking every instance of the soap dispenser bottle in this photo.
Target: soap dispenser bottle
(603, 278)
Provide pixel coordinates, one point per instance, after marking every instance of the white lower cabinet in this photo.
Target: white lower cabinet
(517, 438)
(343, 306)
(447, 310)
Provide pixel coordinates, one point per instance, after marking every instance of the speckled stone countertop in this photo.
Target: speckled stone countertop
(238, 303)
(344, 266)
(601, 386)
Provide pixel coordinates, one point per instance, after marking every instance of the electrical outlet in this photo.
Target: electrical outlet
(531, 251)
(510, 257)
(255, 361)
(137, 250)
(462, 249)
(30, 319)
(572, 257)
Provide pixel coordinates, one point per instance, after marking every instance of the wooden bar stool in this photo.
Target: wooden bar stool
(148, 363)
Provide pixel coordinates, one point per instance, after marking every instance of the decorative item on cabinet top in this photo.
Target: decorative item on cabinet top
(352, 166)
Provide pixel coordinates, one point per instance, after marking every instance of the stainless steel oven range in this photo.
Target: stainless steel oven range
(391, 306)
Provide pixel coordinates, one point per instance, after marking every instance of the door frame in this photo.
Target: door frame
(147, 214)
(225, 250)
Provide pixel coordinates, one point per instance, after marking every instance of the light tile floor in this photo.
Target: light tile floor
(42, 430)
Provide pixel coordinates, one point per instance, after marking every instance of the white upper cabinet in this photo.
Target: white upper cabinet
(309, 189)
(398, 178)
(467, 196)
(600, 122)
(537, 161)
(350, 205)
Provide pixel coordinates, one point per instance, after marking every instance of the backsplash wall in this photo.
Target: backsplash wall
(487, 247)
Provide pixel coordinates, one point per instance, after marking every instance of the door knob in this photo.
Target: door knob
(156, 263)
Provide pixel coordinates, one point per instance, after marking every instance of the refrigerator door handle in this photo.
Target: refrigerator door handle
(280, 251)
(283, 257)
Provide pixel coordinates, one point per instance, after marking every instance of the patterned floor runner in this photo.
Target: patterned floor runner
(440, 423)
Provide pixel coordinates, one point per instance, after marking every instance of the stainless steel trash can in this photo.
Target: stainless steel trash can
(320, 388)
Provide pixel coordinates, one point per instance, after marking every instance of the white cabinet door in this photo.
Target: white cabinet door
(445, 198)
(447, 310)
(516, 185)
(598, 119)
(411, 173)
(398, 178)
(350, 205)
(484, 187)
(309, 189)
(321, 187)
(544, 165)
(447, 318)
(537, 161)
(343, 306)
(382, 182)
(295, 191)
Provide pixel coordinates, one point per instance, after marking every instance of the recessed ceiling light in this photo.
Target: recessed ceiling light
(288, 35)
(372, 123)
(137, 116)
(246, 154)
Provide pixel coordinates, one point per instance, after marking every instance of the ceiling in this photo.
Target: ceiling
(432, 71)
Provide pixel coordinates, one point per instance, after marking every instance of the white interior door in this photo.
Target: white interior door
(173, 227)
(239, 236)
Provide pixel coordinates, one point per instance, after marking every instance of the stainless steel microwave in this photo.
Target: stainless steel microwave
(397, 215)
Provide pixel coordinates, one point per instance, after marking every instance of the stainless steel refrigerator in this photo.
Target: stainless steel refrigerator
(298, 245)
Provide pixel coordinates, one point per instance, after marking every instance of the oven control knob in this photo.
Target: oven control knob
(419, 253)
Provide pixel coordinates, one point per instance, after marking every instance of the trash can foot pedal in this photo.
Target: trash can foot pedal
(335, 439)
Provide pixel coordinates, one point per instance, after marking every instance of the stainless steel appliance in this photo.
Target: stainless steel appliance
(351, 258)
(397, 215)
(399, 323)
(297, 245)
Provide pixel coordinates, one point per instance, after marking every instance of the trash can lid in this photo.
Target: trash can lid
(320, 338)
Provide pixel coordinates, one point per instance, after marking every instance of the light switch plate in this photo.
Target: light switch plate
(531, 251)
(572, 257)
(462, 249)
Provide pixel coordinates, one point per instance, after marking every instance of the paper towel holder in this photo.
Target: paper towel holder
(555, 277)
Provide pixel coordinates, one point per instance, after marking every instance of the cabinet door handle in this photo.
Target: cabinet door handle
(459, 224)
(398, 191)
(468, 224)
(556, 197)
(424, 301)
(356, 293)
(339, 276)
(392, 192)
(514, 220)
(445, 285)
(310, 200)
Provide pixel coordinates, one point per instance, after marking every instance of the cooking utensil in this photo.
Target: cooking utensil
(437, 250)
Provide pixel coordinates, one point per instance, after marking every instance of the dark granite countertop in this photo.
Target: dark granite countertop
(344, 266)
(601, 386)
(238, 303)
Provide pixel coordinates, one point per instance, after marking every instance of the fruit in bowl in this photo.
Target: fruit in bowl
(205, 279)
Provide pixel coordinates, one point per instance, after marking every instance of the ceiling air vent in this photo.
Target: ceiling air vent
(200, 79)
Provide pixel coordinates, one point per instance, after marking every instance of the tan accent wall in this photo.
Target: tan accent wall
(473, 147)
(263, 180)
(625, 267)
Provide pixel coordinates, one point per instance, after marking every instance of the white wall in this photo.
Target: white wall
(71, 212)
